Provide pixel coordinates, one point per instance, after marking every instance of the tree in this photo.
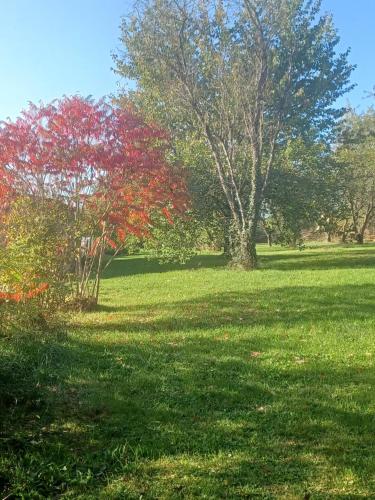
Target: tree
(245, 76)
(104, 165)
(356, 155)
(209, 216)
(209, 208)
(303, 192)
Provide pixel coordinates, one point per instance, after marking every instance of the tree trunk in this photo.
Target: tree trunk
(329, 237)
(252, 251)
(227, 240)
(95, 294)
(244, 255)
(253, 257)
(359, 238)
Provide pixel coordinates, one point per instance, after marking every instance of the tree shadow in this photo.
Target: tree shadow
(210, 409)
(305, 260)
(290, 306)
(316, 258)
(147, 411)
(130, 266)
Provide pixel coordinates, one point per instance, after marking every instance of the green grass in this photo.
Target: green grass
(202, 382)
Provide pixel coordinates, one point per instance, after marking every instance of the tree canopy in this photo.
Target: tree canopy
(246, 77)
(105, 167)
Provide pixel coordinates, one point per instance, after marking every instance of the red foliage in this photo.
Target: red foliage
(22, 295)
(94, 155)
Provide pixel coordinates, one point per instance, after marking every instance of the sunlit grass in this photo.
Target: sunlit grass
(203, 382)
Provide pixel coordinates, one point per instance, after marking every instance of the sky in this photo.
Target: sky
(50, 48)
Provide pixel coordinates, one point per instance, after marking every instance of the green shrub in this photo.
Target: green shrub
(35, 264)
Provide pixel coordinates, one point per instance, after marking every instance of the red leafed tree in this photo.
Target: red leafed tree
(104, 164)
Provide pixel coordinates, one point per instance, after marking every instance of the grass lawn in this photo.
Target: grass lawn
(202, 382)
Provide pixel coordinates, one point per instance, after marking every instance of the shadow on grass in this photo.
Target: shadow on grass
(290, 306)
(322, 260)
(350, 257)
(152, 411)
(141, 265)
(151, 415)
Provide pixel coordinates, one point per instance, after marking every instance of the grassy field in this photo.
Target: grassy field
(202, 382)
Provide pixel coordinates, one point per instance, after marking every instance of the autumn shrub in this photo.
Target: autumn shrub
(102, 170)
(35, 264)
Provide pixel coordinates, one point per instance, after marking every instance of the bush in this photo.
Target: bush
(173, 241)
(35, 264)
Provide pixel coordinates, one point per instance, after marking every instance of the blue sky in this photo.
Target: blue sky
(53, 47)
